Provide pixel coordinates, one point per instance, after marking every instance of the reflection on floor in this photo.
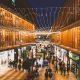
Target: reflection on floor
(20, 75)
(13, 75)
(71, 76)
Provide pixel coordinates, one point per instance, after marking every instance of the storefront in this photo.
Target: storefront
(18, 52)
(23, 49)
(74, 62)
(60, 53)
(11, 54)
(68, 57)
(33, 48)
(64, 56)
(5, 57)
(3, 60)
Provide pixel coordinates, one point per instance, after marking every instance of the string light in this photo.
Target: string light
(47, 16)
(54, 16)
(61, 18)
(68, 16)
(50, 17)
(57, 23)
(43, 17)
(43, 20)
(40, 20)
(37, 19)
(65, 18)
(31, 15)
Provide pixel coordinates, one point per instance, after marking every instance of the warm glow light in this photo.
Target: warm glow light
(10, 19)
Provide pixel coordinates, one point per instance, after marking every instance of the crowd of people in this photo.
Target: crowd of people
(62, 67)
(19, 65)
(57, 66)
(14, 64)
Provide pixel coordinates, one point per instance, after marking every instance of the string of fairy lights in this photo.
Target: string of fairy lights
(66, 18)
(45, 18)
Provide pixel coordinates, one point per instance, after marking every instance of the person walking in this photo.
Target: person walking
(53, 61)
(51, 75)
(56, 67)
(64, 69)
(20, 61)
(79, 73)
(61, 68)
(10, 63)
(46, 74)
(19, 66)
(68, 68)
(23, 65)
(49, 69)
(60, 64)
(36, 74)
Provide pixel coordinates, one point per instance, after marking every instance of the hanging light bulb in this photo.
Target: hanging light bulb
(46, 14)
(41, 14)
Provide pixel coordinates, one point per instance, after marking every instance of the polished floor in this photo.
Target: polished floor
(13, 75)
(67, 77)
(20, 75)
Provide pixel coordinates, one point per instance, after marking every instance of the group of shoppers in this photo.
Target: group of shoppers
(62, 67)
(20, 65)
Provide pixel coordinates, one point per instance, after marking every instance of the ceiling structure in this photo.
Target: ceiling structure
(44, 11)
(67, 15)
(54, 15)
(20, 8)
(49, 15)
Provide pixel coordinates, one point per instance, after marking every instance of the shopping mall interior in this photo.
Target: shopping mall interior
(39, 39)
